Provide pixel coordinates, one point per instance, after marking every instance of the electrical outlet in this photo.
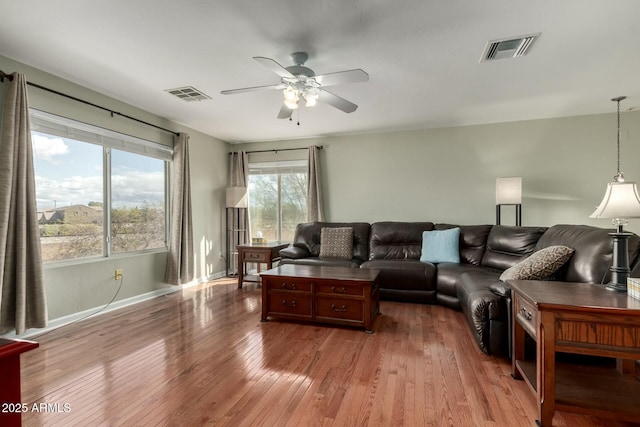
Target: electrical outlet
(118, 275)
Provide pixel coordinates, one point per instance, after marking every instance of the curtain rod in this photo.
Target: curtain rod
(274, 151)
(4, 75)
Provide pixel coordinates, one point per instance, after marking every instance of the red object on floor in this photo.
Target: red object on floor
(11, 406)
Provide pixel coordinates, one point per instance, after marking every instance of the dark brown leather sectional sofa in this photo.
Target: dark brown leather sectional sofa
(473, 285)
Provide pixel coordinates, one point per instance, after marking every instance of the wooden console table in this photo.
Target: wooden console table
(259, 253)
(10, 351)
(583, 319)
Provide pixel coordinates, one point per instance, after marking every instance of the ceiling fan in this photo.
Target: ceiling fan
(299, 82)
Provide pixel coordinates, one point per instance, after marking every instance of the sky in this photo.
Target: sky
(69, 172)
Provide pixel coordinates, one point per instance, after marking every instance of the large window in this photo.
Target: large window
(277, 198)
(98, 192)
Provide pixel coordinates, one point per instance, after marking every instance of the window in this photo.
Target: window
(277, 198)
(98, 192)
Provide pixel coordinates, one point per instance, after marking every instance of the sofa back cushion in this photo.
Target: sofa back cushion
(593, 247)
(508, 245)
(473, 241)
(307, 237)
(397, 240)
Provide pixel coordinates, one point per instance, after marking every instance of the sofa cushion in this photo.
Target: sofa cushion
(508, 245)
(447, 278)
(441, 246)
(307, 237)
(540, 265)
(336, 242)
(397, 240)
(473, 241)
(404, 274)
(593, 251)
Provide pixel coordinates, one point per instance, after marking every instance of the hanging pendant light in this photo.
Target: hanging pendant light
(621, 202)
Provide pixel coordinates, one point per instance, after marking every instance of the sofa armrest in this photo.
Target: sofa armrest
(501, 288)
(294, 252)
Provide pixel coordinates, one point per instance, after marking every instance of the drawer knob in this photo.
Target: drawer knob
(339, 310)
(342, 290)
(288, 304)
(525, 313)
(292, 287)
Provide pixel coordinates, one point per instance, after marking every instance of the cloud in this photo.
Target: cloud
(128, 190)
(46, 148)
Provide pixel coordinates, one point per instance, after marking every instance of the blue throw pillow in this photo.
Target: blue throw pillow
(441, 246)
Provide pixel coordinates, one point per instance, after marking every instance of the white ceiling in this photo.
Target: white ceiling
(422, 57)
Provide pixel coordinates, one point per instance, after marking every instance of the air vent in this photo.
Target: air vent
(511, 47)
(188, 93)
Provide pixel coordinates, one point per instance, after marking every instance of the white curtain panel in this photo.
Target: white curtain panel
(314, 189)
(22, 294)
(180, 261)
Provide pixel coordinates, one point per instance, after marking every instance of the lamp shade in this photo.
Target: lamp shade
(509, 190)
(620, 200)
(237, 197)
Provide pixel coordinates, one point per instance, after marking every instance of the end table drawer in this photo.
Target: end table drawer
(297, 305)
(344, 309)
(255, 256)
(340, 289)
(527, 315)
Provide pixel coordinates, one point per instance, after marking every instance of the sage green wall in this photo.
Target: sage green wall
(448, 175)
(82, 286)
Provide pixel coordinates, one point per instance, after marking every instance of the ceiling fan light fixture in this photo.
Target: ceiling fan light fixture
(291, 97)
(311, 96)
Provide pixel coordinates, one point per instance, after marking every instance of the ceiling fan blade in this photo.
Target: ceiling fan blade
(285, 112)
(341, 77)
(337, 102)
(252, 89)
(273, 66)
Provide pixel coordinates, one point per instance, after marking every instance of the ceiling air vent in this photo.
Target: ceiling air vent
(511, 47)
(188, 93)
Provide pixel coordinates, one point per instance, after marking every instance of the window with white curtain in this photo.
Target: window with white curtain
(98, 192)
(277, 198)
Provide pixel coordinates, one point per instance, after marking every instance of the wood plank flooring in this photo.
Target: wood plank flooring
(202, 357)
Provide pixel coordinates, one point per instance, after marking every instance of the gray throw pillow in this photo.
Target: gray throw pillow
(336, 242)
(540, 265)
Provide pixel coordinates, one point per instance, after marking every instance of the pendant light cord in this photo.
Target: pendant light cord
(619, 176)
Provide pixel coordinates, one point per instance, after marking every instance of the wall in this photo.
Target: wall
(83, 286)
(449, 174)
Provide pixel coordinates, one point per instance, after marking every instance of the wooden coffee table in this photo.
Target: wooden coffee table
(334, 295)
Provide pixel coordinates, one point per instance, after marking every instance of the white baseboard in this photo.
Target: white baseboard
(100, 310)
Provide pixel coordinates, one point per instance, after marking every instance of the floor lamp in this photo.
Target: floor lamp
(509, 193)
(236, 200)
(620, 202)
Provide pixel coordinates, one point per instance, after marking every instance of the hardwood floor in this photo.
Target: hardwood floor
(202, 357)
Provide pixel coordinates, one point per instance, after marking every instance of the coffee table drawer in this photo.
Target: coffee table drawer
(293, 305)
(287, 284)
(336, 308)
(340, 289)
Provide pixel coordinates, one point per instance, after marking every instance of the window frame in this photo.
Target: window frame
(55, 125)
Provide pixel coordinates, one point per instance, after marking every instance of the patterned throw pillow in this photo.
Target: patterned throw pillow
(336, 242)
(540, 265)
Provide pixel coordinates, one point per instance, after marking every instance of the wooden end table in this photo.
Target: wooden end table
(333, 295)
(583, 319)
(258, 253)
